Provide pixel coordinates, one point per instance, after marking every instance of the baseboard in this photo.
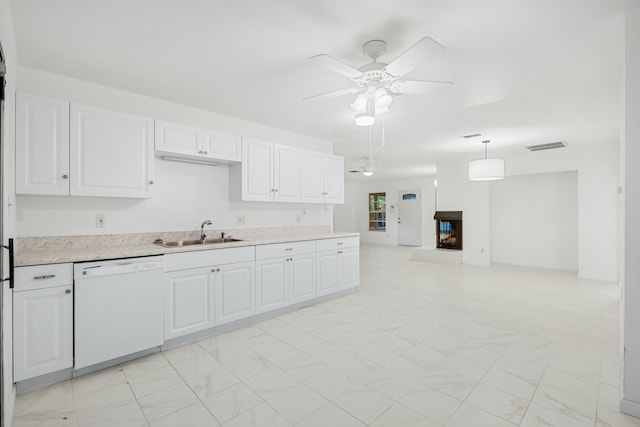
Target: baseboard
(630, 407)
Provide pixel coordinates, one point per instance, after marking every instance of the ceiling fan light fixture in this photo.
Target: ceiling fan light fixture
(365, 119)
(382, 98)
(359, 105)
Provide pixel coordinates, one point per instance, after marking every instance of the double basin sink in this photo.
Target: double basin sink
(179, 243)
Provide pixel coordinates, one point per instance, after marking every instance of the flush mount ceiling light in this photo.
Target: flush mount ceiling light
(365, 119)
(486, 169)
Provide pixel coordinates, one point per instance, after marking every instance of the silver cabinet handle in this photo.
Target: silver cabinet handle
(68, 291)
(276, 190)
(44, 277)
(340, 243)
(206, 152)
(151, 182)
(339, 252)
(288, 249)
(200, 152)
(215, 270)
(65, 176)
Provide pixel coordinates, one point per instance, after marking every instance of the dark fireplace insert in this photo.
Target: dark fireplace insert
(448, 229)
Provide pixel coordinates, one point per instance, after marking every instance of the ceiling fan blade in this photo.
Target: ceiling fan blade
(335, 65)
(425, 49)
(419, 87)
(347, 91)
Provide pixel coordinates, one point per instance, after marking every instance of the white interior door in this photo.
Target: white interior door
(410, 218)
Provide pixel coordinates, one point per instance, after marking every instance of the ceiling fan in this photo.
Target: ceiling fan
(377, 82)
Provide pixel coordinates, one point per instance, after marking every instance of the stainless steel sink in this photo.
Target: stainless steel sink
(178, 243)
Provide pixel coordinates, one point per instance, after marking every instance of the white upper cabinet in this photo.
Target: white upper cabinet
(42, 145)
(333, 178)
(270, 172)
(322, 178)
(257, 171)
(111, 152)
(67, 149)
(222, 146)
(286, 170)
(178, 139)
(174, 139)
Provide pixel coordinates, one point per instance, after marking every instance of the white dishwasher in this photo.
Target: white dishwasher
(117, 308)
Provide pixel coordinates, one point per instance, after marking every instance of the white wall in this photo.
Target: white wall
(185, 194)
(598, 169)
(354, 216)
(344, 216)
(534, 221)
(456, 193)
(631, 277)
(8, 203)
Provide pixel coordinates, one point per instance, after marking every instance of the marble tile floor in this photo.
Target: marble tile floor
(418, 344)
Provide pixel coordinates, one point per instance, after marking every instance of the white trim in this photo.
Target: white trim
(630, 407)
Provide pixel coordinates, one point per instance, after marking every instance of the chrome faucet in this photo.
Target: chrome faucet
(202, 235)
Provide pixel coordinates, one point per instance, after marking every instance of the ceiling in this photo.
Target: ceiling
(525, 71)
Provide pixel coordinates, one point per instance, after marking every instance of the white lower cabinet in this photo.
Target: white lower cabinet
(283, 281)
(338, 268)
(234, 292)
(189, 301)
(204, 289)
(271, 283)
(303, 278)
(327, 272)
(42, 320)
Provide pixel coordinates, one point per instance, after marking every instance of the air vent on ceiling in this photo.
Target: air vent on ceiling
(473, 135)
(549, 146)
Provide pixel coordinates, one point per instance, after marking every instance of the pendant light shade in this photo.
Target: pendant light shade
(486, 169)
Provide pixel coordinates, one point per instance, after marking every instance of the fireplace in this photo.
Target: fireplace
(448, 229)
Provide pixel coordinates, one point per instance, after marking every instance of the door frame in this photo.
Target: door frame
(3, 272)
(399, 200)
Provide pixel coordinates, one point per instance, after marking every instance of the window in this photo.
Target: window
(377, 211)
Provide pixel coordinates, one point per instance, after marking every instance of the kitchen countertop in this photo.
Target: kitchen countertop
(55, 255)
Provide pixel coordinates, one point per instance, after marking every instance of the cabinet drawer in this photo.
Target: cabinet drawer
(342, 242)
(284, 249)
(43, 276)
(197, 259)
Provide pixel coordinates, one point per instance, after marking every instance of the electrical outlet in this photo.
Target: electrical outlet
(101, 221)
(240, 219)
(298, 218)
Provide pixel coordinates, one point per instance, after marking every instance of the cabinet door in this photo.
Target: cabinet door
(333, 179)
(257, 171)
(111, 153)
(327, 272)
(42, 145)
(189, 302)
(42, 331)
(286, 164)
(177, 138)
(349, 267)
(235, 292)
(271, 280)
(312, 177)
(303, 278)
(222, 146)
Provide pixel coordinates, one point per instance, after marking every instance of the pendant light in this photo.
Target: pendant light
(486, 169)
